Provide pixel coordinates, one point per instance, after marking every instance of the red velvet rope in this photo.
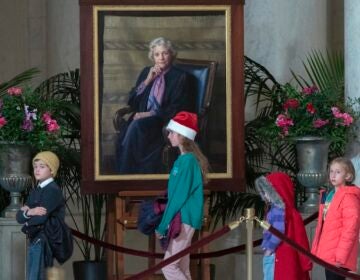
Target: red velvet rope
(146, 254)
(314, 258)
(240, 248)
(115, 247)
(195, 246)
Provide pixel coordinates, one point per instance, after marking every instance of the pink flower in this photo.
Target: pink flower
(309, 90)
(348, 120)
(2, 121)
(52, 126)
(320, 123)
(15, 91)
(336, 112)
(310, 108)
(283, 121)
(291, 103)
(46, 117)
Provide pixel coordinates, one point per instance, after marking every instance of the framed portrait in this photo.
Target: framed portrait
(206, 42)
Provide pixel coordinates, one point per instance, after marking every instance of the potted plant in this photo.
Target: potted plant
(312, 119)
(27, 124)
(261, 87)
(309, 112)
(23, 77)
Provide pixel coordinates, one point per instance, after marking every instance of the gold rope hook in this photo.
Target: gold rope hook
(262, 223)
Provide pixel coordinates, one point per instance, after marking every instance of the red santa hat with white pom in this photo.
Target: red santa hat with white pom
(184, 123)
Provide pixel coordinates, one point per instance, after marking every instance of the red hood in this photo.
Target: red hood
(284, 186)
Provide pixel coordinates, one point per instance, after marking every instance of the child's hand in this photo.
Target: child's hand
(159, 236)
(267, 252)
(337, 264)
(37, 211)
(24, 208)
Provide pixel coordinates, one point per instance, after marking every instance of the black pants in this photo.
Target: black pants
(333, 276)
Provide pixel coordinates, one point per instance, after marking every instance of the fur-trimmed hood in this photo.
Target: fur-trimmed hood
(268, 186)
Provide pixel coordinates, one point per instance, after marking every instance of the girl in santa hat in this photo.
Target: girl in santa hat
(185, 193)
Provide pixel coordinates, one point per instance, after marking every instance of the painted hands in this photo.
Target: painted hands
(153, 73)
(141, 115)
(37, 211)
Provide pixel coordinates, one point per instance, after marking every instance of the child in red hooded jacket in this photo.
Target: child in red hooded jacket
(337, 231)
(280, 260)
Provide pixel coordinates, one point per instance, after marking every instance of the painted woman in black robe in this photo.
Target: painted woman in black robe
(160, 92)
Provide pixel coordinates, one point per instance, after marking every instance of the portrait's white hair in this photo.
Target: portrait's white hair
(161, 41)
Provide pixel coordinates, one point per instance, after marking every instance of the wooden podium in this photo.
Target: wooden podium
(122, 216)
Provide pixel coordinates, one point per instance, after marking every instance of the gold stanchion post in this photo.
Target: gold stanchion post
(249, 216)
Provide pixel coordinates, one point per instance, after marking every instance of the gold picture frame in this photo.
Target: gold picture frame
(118, 36)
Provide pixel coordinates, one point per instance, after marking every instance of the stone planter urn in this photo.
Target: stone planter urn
(15, 163)
(312, 159)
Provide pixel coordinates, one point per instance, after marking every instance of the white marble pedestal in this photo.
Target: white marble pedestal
(12, 250)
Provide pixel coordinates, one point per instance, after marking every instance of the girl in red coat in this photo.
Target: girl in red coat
(282, 262)
(336, 238)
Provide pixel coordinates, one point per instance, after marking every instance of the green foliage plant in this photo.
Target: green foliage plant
(27, 118)
(325, 71)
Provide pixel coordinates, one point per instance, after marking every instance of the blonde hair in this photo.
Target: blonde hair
(347, 165)
(191, 147)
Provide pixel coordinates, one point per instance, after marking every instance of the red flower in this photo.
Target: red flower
(291, 103)
(2, 122)
(310, 108)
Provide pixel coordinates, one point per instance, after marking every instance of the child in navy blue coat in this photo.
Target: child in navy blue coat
(42, 202)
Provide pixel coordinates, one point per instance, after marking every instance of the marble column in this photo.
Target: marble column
(352, 47)
(13, 250)
(352, 62)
